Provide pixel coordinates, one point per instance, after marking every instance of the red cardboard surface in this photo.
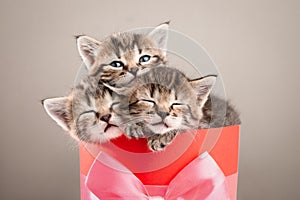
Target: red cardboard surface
(221, 143)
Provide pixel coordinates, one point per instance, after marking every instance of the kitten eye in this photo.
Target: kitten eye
(114, 106)
(178, 105)
(116, 64)
(144, 58)
(144, 104)
(90, 112)
(149, 101)
(87, 117)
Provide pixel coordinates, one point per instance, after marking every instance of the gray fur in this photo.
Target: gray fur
(127, 48)
(158, 85)
(143, 91)
(87, 112)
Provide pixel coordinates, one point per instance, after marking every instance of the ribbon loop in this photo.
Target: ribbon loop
(202, 179)
(156, 198)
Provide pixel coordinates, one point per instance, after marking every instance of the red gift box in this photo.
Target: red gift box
(161, 168)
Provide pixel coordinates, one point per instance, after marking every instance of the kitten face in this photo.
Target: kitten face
(121, 57)
(89, 113)
(162, 109)
(165, 108)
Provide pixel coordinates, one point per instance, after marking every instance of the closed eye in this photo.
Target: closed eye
(89, 111)
(147, 100)
(91, 115)
(114, 103)
(133, 103)
(114, 107)
(143, 103)
(178, 105)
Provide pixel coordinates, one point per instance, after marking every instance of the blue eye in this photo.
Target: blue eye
(116, 64)
(144, 58)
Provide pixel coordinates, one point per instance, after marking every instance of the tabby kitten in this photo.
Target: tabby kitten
(165, 102)
(119, 58)
(89, 113)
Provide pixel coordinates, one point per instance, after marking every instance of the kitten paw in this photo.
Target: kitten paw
(134, 131)
(155, 144)
(159, 142)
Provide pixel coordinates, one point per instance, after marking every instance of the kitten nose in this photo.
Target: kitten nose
(105, 118)
(163, 114)
(134, 71)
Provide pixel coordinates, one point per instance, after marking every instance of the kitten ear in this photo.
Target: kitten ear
(203, 87)
(59, 109)
(88, 49)
(160, 35)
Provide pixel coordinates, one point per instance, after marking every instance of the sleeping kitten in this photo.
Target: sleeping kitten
(165, 102)
(88, 113)
(119, 58)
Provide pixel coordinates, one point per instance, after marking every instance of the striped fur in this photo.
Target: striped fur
(126, 49)
(89, 113)
(164, 102)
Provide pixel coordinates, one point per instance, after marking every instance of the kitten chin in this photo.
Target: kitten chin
(160, 128)
(105, 136)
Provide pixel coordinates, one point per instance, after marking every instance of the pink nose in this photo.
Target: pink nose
(105, 118)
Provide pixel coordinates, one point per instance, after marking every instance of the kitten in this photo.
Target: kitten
(119, 58)
(88, 113)
(165, 102)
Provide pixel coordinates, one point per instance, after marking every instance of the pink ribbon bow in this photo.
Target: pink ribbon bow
(202, 179)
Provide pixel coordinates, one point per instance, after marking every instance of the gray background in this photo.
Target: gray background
(254, 43)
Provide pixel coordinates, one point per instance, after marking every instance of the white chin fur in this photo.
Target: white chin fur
(101, 137)
(159, 128)
(98, 129)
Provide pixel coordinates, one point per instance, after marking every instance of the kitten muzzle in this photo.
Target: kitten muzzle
(161, 123)
(105, 118)
(108, 126)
